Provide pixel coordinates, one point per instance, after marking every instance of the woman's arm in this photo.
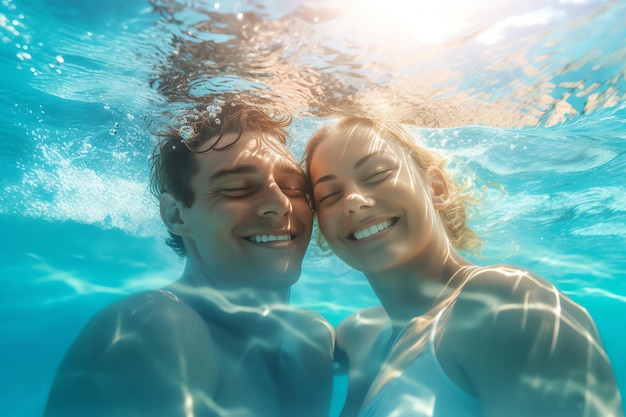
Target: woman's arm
(531, 351)
(360, 342)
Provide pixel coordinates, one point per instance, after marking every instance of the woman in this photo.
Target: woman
(451, 338)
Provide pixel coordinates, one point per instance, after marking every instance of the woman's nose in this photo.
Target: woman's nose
(356, 201)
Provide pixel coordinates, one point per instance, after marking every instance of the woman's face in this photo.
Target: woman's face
(374, 206)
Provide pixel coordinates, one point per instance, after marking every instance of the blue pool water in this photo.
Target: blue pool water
(531, 96)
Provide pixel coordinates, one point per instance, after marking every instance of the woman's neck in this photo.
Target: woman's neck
(410, 290)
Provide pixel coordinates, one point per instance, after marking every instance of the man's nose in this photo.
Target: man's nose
(274, 202)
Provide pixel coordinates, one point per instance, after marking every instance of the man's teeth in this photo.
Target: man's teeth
(372, 230)
(269, 238)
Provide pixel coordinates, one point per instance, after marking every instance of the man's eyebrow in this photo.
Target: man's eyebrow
(251, 169)
(292, 169)
(356, 166)
(226, 172)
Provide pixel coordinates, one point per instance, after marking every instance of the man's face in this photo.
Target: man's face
(250, 223)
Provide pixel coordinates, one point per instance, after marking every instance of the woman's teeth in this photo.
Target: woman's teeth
(372, 230)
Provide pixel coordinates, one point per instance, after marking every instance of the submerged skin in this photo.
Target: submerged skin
(508, 337)
(220, 341)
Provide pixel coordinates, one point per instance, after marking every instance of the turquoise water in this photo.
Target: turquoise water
(530, 96)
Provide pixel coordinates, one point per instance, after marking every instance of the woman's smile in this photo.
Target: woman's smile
(373, 230)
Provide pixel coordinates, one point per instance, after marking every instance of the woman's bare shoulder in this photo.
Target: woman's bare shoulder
(361, 329)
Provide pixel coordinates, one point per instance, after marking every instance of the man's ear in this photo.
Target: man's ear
(170, 209)
(440, 193)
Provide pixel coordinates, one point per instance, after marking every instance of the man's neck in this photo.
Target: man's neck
(249, 311)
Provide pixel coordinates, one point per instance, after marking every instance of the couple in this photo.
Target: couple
(449, 339)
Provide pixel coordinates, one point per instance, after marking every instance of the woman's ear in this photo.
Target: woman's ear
(440, 193)
(170, 209)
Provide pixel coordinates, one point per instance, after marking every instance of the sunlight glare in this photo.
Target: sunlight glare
(425, 22)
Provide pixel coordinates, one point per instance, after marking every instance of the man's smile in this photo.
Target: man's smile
(269, 238)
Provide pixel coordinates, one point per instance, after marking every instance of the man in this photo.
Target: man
(220, 341)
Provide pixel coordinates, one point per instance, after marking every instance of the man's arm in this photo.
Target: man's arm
(142, 356)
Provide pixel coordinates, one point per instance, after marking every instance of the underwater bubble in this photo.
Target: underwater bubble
(218, 122)
(186, 131)
(60, 59)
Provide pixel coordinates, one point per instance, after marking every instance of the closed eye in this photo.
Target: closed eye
(330, 197)
(293, 191)
(237, 192)
(378, 176)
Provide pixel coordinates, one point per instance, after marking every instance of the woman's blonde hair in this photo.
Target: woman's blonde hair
(453, 217)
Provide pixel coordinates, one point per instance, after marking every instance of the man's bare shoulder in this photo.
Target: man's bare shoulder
(138, 355)
(149, 314)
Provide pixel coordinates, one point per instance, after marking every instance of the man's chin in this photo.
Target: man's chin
(280, 279)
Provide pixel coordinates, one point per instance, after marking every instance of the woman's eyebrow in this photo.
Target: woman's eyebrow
(366, 158)
(324, 178)
(358, 164)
